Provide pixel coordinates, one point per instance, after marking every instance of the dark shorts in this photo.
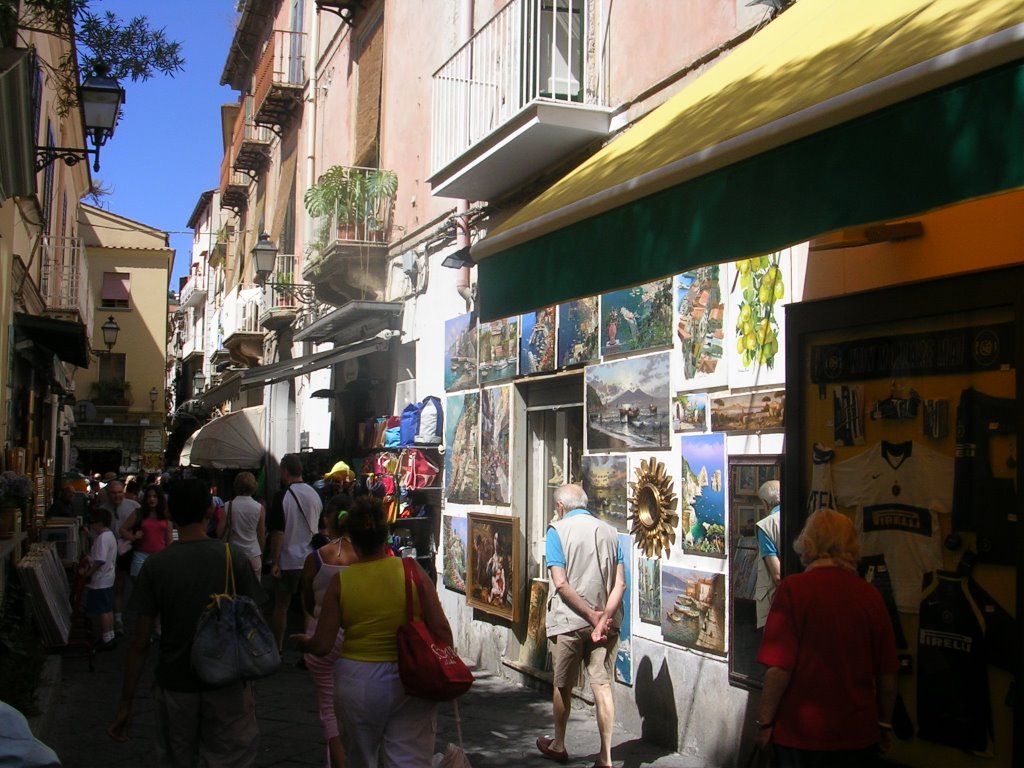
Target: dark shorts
(124, 562)
(99, 601)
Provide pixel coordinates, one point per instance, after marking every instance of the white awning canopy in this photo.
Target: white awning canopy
(233, 441)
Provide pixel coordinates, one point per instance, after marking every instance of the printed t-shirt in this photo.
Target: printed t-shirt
(104, 550)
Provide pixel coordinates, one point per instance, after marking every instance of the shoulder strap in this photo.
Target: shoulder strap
(411, 577)
(229, 576)
(301, 510)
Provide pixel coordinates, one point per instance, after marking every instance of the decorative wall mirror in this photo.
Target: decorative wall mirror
(653, 508)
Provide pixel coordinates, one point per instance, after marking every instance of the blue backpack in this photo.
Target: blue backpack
(410, 423)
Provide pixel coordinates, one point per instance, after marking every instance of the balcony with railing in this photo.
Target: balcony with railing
(250, 143)
(280, 303)
(279, 80)
(193, 293)
(521, 95)
(234, 187)
(240, 324)
(351, 213)
(64, 280)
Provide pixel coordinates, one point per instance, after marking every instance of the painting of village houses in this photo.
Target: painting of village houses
(749, 412)
(498, 343)
(648, 589)
(494, 445)
(462, 459)
(693, 608)
(605, 479)
(701, 322)
(537, 342)
(578, 336)
(690, 412)
(627, 404)
(455, 542)
(703, 494)
(637, 318)
(460, 352)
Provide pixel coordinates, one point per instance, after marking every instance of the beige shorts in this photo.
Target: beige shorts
(571, 648)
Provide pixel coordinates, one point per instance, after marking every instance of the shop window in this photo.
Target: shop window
(116, 290)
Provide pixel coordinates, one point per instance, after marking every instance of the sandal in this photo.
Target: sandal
(558, 755)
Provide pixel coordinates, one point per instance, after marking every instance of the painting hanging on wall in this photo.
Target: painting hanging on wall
(694, 608)
(606, 481)
(749, 412)
(493, 578)
(455, 545)
(701, 327)
(690, 412)
(462, 438)
(537, 341)
(498, 342)
(460, 352)
(578, 334)
(534, 650)
(703, 494)
(627, 404)
(648, 590)
(637, 318)
(624, 654)
(495, 434)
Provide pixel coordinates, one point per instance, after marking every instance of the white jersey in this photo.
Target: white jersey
(821, 495)
(897, 490)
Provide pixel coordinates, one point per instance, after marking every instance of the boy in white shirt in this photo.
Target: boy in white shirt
(99, 600)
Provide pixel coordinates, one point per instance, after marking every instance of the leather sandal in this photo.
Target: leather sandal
(558, 755)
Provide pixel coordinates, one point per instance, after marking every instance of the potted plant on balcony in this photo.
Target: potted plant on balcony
(337, 196)
(381, 188)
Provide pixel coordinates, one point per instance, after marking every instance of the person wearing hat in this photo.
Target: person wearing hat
(769, 570)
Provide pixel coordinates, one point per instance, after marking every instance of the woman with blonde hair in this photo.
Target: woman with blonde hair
(830, 686)
(244, 522)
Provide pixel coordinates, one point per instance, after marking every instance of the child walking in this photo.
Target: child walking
(99, 593)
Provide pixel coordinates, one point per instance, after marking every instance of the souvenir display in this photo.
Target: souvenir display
(627, 404)
(637, 318)
(652, 506)
(848, 414)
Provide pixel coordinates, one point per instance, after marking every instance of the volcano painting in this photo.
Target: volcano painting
(628, 404)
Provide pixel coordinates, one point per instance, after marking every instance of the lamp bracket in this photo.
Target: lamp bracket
(70, 155)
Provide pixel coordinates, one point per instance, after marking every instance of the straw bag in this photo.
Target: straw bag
(232, 641)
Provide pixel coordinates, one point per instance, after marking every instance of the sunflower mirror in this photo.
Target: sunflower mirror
(652, 506)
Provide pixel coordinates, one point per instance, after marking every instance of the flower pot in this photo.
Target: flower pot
(9, 517)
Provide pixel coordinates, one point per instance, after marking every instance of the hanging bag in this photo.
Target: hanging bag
(428, 667)
(232, 641)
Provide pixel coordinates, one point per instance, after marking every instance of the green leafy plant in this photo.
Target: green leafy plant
(757, 324)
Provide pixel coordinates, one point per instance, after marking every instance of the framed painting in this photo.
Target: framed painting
(462, 437)
(750, 412)
(498, 344)
(637, 318)
(455, 546)
(606, 481)
(495, 431)
(694, 614)
(493, 570)
(624, 653)
(690, 412)
(627, 404)
(578, 333)
(700, 330)
(703, 494)
(460, 352)
(537, 341)
(648, 589)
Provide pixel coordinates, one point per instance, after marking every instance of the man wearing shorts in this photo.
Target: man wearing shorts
(588, 580)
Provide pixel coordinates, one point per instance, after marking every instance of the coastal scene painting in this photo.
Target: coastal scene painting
(578, 334)
(606, 481)
(700, 330)
(498, 343)
(690, 412)
(637, 318)
(460, 352)
(703, 494)
(749, 412)
(494, 444)
(648, 589)
(624, 654)
(537, 341)
(693, 608)
(462, 438)
(627, 403)
(456, 544)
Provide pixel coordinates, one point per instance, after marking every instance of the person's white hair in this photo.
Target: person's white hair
(572, 496)
(770, 493)
(828, 534)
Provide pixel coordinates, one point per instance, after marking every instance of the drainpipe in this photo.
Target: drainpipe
(314, 58)
(462, 282)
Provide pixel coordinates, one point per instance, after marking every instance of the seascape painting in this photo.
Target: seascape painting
(456, 544)
(750, 412)
(627, 404)
(693, 605)
(495, 434)
(537, 342)
(460, 353)
(690, 412)
(648, 589)
(637, 318)
(703, 492)
(700, 329)
(578, 336)
(498, 342)
(624, 654)
(462, 439)
(606, 482)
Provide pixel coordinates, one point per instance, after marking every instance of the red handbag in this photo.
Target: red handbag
(429, 668)
(416, 470)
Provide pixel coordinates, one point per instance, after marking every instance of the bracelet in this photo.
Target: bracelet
(764, 726)
(885, 726)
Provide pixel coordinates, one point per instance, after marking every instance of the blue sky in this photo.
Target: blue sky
(167, 148)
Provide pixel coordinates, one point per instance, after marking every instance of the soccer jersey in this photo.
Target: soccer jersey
(821, 494)
(962, 630)
(897, 490)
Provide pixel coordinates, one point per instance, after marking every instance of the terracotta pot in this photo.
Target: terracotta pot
(8, 522)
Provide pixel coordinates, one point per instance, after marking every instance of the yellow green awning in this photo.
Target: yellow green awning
(835, 114)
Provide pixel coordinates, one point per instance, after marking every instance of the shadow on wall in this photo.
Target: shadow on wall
(656, 704)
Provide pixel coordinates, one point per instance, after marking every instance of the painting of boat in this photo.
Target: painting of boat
(619, 396)
(697, 618)
(460, 353)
